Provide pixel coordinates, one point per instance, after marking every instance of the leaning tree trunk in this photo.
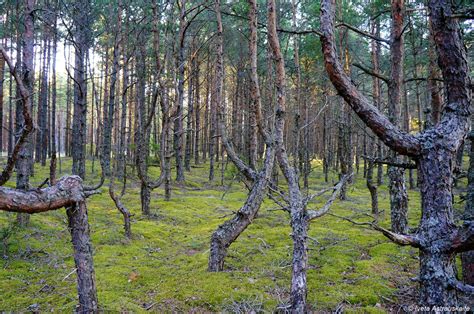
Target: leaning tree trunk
(228, 232)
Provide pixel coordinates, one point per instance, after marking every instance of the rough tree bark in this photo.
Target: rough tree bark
(434, 151)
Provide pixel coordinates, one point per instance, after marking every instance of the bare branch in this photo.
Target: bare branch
(28, 128)
(282, 206)
(464, 238)
(405, 165)
(400, 239)
(363, 33)
(460, 286)
(372, 72)
(312, 214)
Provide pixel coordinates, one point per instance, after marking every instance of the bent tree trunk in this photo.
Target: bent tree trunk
(230, 230)
(68, 192)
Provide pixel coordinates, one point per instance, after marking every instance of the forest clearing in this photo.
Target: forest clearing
(287, 156)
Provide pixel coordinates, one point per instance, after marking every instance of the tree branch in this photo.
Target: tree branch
(363, 33)
(372, 72)
(312, 214)
(460, 286)
(67, 191)
(400, 239)
(464, 238)
(399, 141)
(404, 165)
(28, 128)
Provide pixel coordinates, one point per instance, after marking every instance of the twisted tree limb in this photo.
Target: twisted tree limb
(26, 97)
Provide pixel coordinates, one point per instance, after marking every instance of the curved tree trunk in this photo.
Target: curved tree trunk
(229, 231)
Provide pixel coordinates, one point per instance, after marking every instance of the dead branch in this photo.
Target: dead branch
(312, 214)
(27, 129)
(400, 239)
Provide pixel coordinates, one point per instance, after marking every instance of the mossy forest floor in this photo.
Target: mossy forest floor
(163, 268)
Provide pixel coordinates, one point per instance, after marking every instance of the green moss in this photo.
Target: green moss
(164, 266)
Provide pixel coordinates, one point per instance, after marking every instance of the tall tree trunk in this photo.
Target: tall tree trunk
(25, 58)
(53, 161)
(141, 134)
(197, 113)
(178, 124)
(190, 115)
(42, 135)
(2, 77)
(397, 188)
(77, 214)
(109, 103)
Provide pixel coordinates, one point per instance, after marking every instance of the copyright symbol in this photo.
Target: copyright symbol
(411, 308)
